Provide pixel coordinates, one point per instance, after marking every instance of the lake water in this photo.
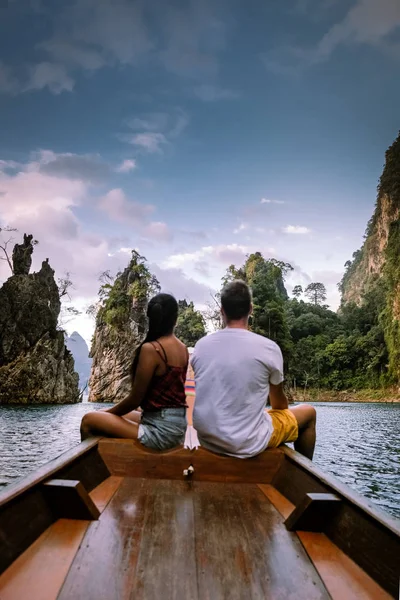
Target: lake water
(358, 443)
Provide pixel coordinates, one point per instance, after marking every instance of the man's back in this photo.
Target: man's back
(233, 368)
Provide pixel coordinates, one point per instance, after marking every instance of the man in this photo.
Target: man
(235, 371)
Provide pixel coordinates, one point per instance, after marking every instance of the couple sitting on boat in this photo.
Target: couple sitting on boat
(235, 372)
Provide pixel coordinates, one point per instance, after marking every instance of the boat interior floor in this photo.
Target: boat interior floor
(184, 540)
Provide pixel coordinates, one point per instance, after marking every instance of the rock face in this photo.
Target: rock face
(120, 327)
(368, 263)
(35, 365)
(83, 363)
(375, 268)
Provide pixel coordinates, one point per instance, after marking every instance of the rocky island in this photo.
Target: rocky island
(35, 365)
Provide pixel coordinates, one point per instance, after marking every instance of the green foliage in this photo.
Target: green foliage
(297, 291)
(190, 326)
(131, 289)
(316, 292)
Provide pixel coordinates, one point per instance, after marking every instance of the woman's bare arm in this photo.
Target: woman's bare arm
(145, 371)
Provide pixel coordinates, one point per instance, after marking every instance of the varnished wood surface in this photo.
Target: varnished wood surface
(25, 509)
(56, 465)
(68, 499)
(178, 540)
(102, 494)
(244, 551)
(328, 480)
(367, 535)
(313, 512)
(39, 572)
(128, 458)
(343, 578)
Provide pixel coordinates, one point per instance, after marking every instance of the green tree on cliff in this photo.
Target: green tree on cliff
(316, 292)
(190, 326)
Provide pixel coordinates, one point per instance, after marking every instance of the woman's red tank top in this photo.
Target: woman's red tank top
(167, 390)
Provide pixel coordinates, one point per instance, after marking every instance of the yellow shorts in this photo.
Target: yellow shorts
(285, 428)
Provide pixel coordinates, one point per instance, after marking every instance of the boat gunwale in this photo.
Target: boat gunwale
(343, 489)
(65, 459)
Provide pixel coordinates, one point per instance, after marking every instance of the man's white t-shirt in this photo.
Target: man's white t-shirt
(233, 369)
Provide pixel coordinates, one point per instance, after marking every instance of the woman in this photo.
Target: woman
(158, 387)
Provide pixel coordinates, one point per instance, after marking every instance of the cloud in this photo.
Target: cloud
(8, 83)
(85, 167)
(51, 75)
(223, 253)
(242, 227)
(158, 231)
(367, 22)
(9, 164)
(73, 55)
(214, 93)
(269, 201)
(150, 141)
(174, 281)
(127, 165)
(153, 130)
(192, 36)
(296, 229)
(120, 208)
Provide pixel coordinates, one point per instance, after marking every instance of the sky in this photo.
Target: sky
(195, 132)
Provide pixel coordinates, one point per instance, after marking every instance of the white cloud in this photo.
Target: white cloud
(213, 93)
(127, 165)
(269, 201)
(370, 22)
(367, 22)
(85, 167)
(223, 253)
(174, 281)
(296, 229)
(124, 210)
(51, 75)
(242, 227)
(150, 141)
(158, 231)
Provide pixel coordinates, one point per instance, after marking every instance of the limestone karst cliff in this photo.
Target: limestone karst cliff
(35, 365)
(375, 268)
(120, 327)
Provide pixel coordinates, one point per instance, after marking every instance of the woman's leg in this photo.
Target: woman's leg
(135, 416)
(306, 417)
(107, 424)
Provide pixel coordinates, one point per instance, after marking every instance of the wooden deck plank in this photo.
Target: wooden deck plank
(244, 551)
(167, 564)
(359, 529)
(131, 459)
(102, 494)
(343, 578)
(104, 567)
(39, 572)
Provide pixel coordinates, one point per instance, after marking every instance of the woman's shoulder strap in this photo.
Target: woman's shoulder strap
(162, 353)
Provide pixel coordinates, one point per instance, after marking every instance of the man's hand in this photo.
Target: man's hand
(277, 397)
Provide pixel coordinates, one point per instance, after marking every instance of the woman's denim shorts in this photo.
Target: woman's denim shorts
(163, 429)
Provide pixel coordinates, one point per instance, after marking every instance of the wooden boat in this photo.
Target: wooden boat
(112, 520)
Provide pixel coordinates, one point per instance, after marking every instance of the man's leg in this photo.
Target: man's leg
(306, 417)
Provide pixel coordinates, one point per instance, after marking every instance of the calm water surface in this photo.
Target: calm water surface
(358, 443)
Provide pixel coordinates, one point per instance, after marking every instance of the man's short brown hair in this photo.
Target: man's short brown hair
(236, 300)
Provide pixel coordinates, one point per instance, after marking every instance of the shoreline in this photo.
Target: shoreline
(387, 396)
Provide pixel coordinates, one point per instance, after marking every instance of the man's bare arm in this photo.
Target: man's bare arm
(277, 397)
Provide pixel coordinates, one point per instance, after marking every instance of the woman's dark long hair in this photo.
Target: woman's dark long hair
(162, 313)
